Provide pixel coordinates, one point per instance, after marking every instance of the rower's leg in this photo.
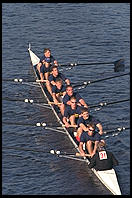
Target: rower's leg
(89, 147)
(46, 75)
(95, 146)
(49, 88)
(72, 119)
(38, 67)
(41, 76)
(79, 131)
(62, 109)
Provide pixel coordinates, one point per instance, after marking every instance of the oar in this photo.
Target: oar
(65, 153)
(102, 104)
(18, 100)
(114, 132)
(43, 124)
(74, 158)
(20, 80)
(70, 126)
(56, 152)
(26, 100)
(40, 124)
(86, 83)
(36, 150)
(40, 104)
(119, 129)
(13, 79)
(118, 65)
(59, 103)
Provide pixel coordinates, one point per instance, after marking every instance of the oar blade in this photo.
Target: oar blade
(119, 65)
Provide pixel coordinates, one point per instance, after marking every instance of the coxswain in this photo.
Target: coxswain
(91, 138)
(66, 99)
(46, 61)
(53, 76)
(71, 113)
(58, 91)
(103, 159)
(85, 119)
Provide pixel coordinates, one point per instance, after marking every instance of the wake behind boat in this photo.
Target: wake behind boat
(108, 177)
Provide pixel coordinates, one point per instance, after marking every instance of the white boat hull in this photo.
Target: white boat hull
(109, 179)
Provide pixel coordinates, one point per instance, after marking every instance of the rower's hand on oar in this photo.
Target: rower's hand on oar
(67, 125)
(56, 102)
(101, 132)
(43, 61)
(92, 154)
(43, 81)
(82, 154)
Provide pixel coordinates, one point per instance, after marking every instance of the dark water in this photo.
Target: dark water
(92, 32)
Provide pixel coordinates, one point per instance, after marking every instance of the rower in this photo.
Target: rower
(89, 137)
(46, 61)
(85, 119)
(103, 159)
(71, 113)
(53, 76)
(58, 90)
(66, 99)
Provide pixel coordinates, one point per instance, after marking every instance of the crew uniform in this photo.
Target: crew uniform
(85, 137)
(60, 75)
(58, 91)
(87, 121)
(67, 97)
(69, 112)
(103, 160)
(50, 60)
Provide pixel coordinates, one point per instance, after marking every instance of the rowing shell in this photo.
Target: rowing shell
(108, 177)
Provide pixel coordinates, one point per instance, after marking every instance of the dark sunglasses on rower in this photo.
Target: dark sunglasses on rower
(91, 129)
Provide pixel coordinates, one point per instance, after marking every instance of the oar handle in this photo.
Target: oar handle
(59, 103)
(86, 155)
(41, 80)
(71, 126)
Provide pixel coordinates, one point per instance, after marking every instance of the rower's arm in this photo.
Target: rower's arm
(67, 81)
(41, 76)
(68, 102)
(64, 93)
(84, 128)
(38, 66)
(95, 147)
(54, 98)
(81, 149)
(100, 128)
(83, 103)
(55, 62)
(53, 82)
(65, 122)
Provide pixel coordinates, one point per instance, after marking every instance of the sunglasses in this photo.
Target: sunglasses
(91, 129)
